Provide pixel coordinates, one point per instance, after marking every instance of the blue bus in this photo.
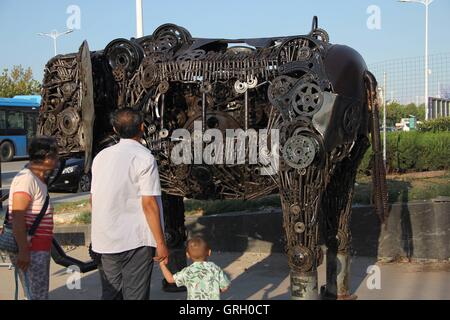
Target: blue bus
(18, 124)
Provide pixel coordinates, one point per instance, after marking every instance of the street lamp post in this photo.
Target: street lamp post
(381, 95)
(426, 3)
(54, 35)
(139, 20)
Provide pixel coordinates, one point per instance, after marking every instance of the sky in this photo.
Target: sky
(398, 30)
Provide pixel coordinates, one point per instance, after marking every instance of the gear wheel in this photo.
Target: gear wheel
(252, 82)
(299, 227)
(279, 88)
(295, 49)
(301, 258)
(180, 33)
(124, 54)
(299, 151)
(307, 99)
(68, 121)
(163, 86)
(206, 87)
(240, 87)
(149, 76)
(295, 209)
(351, 119)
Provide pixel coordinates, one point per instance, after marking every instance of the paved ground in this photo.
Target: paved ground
(261, 276)
(10, 169)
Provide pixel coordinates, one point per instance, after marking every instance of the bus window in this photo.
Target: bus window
(30, 124)
(2, 120)
(15, 120)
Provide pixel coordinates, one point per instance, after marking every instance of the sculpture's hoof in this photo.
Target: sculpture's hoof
(172, 287)
(325, 295)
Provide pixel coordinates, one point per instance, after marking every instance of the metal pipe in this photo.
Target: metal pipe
(246, 110)
(163, 100)
(203, 112)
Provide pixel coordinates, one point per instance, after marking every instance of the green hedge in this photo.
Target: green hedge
(435, 125)
(414, 151)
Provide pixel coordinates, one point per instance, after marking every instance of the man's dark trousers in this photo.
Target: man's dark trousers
(127, 275)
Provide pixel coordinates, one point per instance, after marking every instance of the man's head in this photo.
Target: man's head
(43, 152)
(128, 123)
(197, 249)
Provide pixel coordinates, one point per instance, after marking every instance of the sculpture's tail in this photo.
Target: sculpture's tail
(378, 166)
(61, 258)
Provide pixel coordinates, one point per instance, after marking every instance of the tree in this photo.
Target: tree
(396, 111)
(18, 81)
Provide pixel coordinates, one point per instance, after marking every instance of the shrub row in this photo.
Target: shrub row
(414, 151)
(435, 125)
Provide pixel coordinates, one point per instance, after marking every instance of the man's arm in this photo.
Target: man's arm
(151, 211)
(21, 202)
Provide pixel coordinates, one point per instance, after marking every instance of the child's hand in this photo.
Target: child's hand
(163, 262)
(224, 289)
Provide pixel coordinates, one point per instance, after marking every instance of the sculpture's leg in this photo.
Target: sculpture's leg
(175, 233)
(300, 195)
(343, 253)
(337, 208)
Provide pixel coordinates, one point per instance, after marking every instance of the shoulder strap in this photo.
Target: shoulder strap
(38, 219)
(5, 222)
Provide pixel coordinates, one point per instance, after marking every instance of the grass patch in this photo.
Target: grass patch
(82, 218)
(405, 188)
(79, 206)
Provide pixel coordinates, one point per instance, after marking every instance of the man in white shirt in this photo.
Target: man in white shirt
(127, 221)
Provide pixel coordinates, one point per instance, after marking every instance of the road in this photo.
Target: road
(10, 169)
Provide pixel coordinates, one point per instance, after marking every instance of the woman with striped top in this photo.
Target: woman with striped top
(28, 193)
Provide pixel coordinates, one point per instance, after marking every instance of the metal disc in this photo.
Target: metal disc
(299, 151)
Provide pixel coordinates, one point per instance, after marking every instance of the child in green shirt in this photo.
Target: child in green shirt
(203, 279)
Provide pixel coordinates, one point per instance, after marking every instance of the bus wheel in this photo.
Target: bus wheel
(6, 151)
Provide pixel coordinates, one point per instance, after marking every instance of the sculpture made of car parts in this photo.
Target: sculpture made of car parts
(320, 96)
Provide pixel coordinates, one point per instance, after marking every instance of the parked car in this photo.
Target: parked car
(72, 177)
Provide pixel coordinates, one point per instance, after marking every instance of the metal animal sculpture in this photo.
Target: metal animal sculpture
(318, 97)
